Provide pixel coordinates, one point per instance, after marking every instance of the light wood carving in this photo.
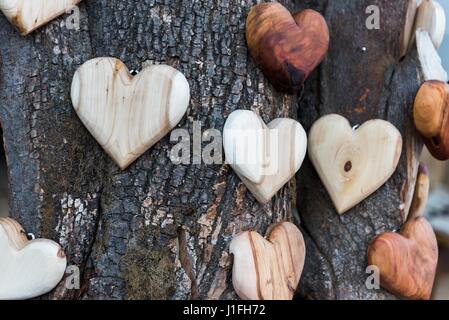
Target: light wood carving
(127, 115)
(268, 269)
(352, 164)
(265, 157)
(409, 31)
(28, 269)
(430, 60)
(421, 193)
(28, 15)
(430, 17)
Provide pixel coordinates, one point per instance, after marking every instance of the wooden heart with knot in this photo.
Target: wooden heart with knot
(352, 164)
(28, 269)
(407, 260)
(287, 48)
(127, 115)
(28, 15)
(268, 269)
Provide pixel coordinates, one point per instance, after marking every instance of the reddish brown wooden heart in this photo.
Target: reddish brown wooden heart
(431, 116)
(287, 48)
(407, 261)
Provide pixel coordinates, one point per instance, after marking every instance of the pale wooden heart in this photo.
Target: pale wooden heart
(268, 269)
(270, 168)
(431, 17)
(28, 269)
(127, 115)
(352, 164)
(28, 15)
(430, 61)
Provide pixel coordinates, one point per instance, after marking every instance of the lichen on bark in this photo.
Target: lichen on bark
(148, 274)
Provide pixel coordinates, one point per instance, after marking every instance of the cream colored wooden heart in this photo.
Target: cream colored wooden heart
(28, 15)
(268, 269)
(28, 269)
(264, 157)
(352, 164)
(127, 115)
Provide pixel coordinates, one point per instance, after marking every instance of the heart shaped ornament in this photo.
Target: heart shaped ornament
(28, 269)
(127, 115)
(268, 269)
(28, 15)
(287, 48)
(430, 61)
(352, 164)
(431, 117)
(431, 18)
(407, 261)
(421, 193)
(264, 156)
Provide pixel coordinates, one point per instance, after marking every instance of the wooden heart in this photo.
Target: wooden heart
(264, 157)
(28, 15)
(430, 61)
(407, 261)
(408, 34)
(268, 269)
(352, 164)
(421, 193)
(431, 117)
(431, 17)
(28, 269)
(287, 48)
(127, 115)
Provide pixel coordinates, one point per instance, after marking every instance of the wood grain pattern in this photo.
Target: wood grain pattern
(287, 48)
(407, 260)
(431, 117)
(127, 115)
(409, 31)
(28, 15)
(421, 193)
(28, 269)
(279, 149)
(430, 17)
(352, 164)
(268, 269)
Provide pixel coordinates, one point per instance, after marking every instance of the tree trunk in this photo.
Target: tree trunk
(362, 78)
(159, 230)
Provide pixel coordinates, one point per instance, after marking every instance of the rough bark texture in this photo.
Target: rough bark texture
(158, 230)
(362, 78)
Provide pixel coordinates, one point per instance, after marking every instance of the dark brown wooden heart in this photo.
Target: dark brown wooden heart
(287, 48)
(407, 260)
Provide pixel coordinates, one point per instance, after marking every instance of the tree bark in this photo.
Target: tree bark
(362, 78)
(162, 231)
